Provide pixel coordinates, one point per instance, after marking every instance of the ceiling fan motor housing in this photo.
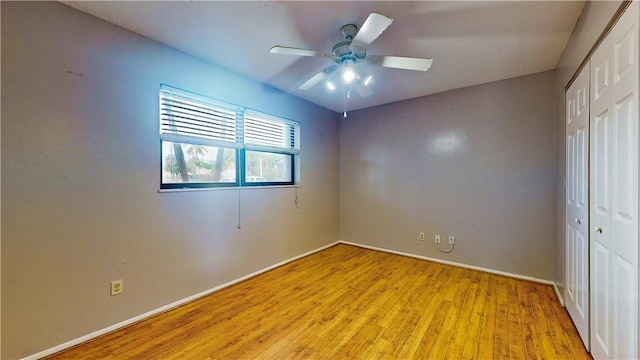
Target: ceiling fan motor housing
(349, 31)
(343, 50)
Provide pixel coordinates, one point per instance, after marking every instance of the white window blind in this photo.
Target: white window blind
(267, 133)
(196, 120)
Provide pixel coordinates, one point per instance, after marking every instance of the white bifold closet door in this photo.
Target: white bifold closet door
(577, 204)
(614, 191)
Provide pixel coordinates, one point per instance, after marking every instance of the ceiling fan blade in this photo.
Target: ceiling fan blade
(371, 29)
(294, 51)
(318, 77)
(285, 50)
(401, 62)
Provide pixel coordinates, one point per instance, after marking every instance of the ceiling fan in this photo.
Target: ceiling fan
(353, 50)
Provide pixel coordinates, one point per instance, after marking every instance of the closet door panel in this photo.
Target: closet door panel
(599, 169)
(600, 319)
(624, 174)
(577, 205)
(624, 222)
(600, 210)
(624, 307)
(614, 191)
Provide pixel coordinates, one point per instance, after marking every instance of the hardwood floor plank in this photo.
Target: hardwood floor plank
(419, 290)
(413, 341)
(440, 309)
(487, 332)
(571, 341)
(472, 340)
(446, 335)
(546, 347)
(501, 338)
(464, 322)
(516, 329)
(531, 339)
(352, 303)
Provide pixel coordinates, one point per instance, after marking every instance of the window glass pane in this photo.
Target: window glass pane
(189, 163)
(268, 167)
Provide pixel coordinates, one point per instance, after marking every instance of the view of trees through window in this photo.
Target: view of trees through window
(186, 163)
(190, 163)
(266, 166)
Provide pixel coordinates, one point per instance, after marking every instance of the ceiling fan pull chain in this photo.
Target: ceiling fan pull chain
(344, 115)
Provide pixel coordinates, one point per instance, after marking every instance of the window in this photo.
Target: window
(207, 143)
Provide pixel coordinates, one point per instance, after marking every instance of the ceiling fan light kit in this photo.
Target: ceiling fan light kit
(367, 80)
(352, 51)
(348, 74)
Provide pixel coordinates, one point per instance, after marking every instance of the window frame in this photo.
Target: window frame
(243, 177)
(289, 145)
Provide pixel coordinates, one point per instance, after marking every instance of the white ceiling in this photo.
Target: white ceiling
(471, 42)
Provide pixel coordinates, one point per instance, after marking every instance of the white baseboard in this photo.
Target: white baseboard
(558, 294)
(167, 307)
(446, 262)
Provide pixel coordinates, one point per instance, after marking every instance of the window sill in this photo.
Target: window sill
(229, 188)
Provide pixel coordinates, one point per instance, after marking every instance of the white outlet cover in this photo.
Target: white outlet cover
(116, 287)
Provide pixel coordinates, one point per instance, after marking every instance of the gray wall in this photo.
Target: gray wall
(476, 163)
(593, 20)
(80, 166)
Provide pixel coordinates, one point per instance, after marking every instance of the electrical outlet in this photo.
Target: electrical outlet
(421, 236)
(437, 239)
(452, 239)
(116, 287)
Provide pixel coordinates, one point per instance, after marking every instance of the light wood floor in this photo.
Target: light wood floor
(351, 303)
